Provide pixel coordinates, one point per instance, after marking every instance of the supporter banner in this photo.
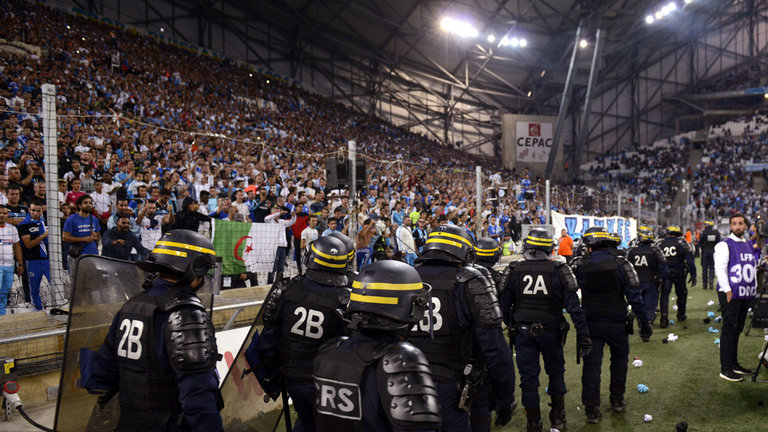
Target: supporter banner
(575, 225)
(246, 247)
(534, 141)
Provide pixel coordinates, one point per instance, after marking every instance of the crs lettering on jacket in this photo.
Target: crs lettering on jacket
(338, 399)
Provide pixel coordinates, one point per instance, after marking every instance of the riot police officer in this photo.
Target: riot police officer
(373, 381)
(651, 268)
(487, 254)
(708, 238)
(680, 261)
(533, 293)
(607, 283)
(351, 273)
(299, 316)
(465, 315)
(160, 352)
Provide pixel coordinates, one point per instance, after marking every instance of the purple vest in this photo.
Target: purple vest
(742, 269)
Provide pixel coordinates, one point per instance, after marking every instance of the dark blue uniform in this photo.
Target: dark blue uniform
(651, 268)
(464, 314)
(153, 394)
(534, 294)
(607, 283)
(707, 241)
(480, 411)
(681, 262)
(300, 315)
(354, 379)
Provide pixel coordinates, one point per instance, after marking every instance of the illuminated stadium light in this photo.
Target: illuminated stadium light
(491, 38)
(583, 43)
(765, 95)
(458, 27)
(530, 93)
(649, 19)
(523, 43)
(513, 42)
(688, 1)
(659, 15)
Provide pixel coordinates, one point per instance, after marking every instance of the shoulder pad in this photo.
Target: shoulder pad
(273, 300)
(190, 341)
(406, 388)
(576, 262)
(483, 270)
(658, 253)
(629, 270)
(182, 299)
(467, 272)
(504, 279)
(569, 279)
(332, 344)
(483, 300)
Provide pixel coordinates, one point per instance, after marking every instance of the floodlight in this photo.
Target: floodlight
(659, 15)
(688, 1)
(543, 72)
(530, 93)
(491, 38)
(514, 42)
(583, 43)
(523, 43)
(162, 29)
(649, 19)
(672, 6)
(765, 95)
(446, 23)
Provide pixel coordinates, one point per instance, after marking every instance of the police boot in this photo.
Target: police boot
(557, 413)
(617, 403)
(533, 414)
(664, 321)
(593, 413)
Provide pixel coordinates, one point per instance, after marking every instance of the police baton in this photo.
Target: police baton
(286, 410)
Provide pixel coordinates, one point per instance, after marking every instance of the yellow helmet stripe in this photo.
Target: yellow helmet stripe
(170, 252)
(387, 286)
(186, 246)
(448, 242)
(487, 250)
(449, 235)
(373, 299)
(484, 253)
(539, 239)
(328, 256)
(327, 264)
(537, 243)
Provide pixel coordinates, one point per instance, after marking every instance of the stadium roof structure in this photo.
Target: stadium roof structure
(391, 58)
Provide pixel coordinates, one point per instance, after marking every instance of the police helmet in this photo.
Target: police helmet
(388, 295)
(538, 239)
(645, 234)
(181, 252)
(762, 229)
(709, 223)
(327, 261)
(487, 250)
(347, 243)
(616, 238)
(597, 236)
(674, 231)
(449, 243)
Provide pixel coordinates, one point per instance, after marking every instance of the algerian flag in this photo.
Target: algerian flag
(246, 246)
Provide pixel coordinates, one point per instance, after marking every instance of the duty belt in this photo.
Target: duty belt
(536, 328)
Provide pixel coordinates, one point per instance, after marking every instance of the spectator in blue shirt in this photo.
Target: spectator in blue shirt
(83, 226)
(494, 230)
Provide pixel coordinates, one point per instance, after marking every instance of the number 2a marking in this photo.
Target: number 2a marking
(531, 288)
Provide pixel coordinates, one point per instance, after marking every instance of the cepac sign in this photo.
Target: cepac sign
(534, 141)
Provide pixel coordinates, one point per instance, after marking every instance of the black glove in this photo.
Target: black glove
(504, 413)
(583, 345)
(692, 280)
(646, 331)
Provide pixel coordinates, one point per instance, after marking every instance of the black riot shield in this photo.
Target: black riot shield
(100, 286)
(246, 405)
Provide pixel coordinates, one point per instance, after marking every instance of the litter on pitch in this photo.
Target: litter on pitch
(637, 362)
(717, 341)
(710, 314)
(672, 337)
(647, 418)
(710, 303)
(642, 388)
(671, 322)
(674, 307)
(713, 330)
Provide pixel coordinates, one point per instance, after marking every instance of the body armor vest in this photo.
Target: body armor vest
(451, 347)
(602, 293)
(309, 319)
(534, 299)
(708, 239)
(674, 251)
(645, 262)
(148, 392)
